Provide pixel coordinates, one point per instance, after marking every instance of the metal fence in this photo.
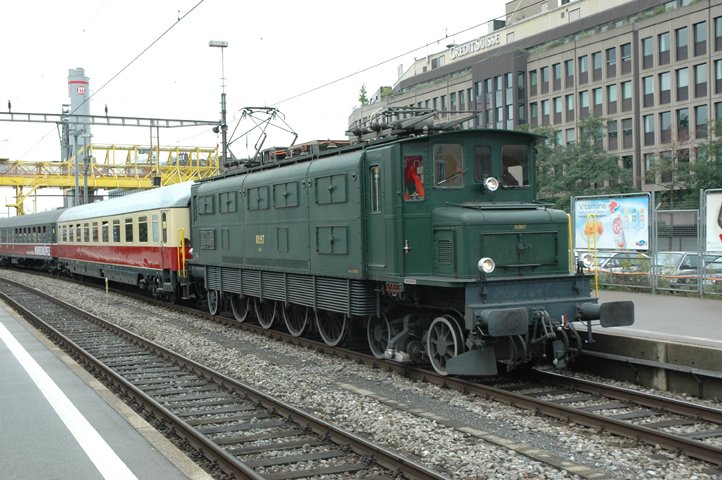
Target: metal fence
(676, 261)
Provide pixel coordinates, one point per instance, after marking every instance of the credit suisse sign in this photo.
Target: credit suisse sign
(474, 46)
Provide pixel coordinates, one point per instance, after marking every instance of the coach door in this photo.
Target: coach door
(164, 229)
(376, 212)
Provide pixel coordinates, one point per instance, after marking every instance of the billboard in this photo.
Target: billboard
(614, 222)
(713, 221)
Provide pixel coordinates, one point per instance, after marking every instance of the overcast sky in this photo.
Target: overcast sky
(277, 50)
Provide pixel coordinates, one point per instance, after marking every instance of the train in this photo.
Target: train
(425, 247)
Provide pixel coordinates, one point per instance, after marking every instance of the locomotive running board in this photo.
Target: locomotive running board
(479, 361)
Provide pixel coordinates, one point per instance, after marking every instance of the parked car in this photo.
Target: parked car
(625, 262)
(683, 268)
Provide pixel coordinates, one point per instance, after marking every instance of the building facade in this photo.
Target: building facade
(651, 68)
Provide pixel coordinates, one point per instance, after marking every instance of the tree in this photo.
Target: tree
(580, 168)
(362, 97)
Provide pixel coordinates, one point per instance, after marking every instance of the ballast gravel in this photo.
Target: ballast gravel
(460, 436)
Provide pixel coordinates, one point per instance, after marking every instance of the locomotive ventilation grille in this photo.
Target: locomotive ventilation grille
(341, 295)
(444, 252)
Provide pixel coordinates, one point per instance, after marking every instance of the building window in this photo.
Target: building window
(701, 118)
(682, 124)
(584, 103)
(647, 52)
(452, 101)
(612, 134)
(571, 135)
(718, 76)
(569, 70)
(611, 99)
(648, 121)
(532, 82)
(648, 91)
(627, 162)
(663, 45)
(682, 84)
(626, 96)
(533, 114)
(665, 127)
(598, 98)
(544, 74)
(557, 76)
(627, 132)
(665, 88)
(718, 33)
(583, 69)
(557, 110)
(597, 66)
(700, 80)
(611, 62)
(625, 51)
(570, 107)
(681, 36)
(700, 38)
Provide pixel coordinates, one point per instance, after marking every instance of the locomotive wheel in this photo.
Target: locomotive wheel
(241, 306)
(332, 327)
(296, 319)
(214, 301)
(378, 332)
(266, 312)
(443, 342)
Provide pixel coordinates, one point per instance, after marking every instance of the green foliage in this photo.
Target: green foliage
(579, 169)
(362, 96)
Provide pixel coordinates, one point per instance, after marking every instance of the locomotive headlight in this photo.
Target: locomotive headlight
(585, 259)
(491, 184)
(486, 265)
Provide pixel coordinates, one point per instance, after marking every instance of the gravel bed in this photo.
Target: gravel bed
(390, 409)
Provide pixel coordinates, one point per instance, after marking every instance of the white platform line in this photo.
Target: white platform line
(98, 451)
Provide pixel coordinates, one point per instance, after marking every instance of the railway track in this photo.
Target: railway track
(695, 430)
(234, 430)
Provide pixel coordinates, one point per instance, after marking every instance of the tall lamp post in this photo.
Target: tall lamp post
(224, 155)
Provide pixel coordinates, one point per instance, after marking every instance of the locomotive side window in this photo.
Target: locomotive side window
(414, 178)
(515, 163)
(482, 163)
(374, 183)
(448, 165)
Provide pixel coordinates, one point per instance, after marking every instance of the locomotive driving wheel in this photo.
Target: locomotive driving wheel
(266, 312)
(296, 319)
(241, 306)
(214, 301)
(443, 342)
(378, 333)
(332, 327)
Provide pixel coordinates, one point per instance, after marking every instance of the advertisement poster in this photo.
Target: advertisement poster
(618, 223)
(713, 221)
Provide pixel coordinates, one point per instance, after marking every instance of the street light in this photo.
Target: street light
(221, 44)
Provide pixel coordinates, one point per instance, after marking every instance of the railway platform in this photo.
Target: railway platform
(671, 317)
(59, 422)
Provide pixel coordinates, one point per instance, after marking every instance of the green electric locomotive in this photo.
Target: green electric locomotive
(428, 247)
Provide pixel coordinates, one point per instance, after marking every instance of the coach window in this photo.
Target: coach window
(164, 226)
(155, 228)
(413, 178)
(482, 163)
(448, 165)
(95, 232)
(71, 233)
(104, 231)
(78, 233)
(129, 230)
(116, 231)
(515, 163)
(86, 232)
(143, 229)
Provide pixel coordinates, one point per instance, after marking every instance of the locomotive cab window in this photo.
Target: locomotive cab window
(515, 165)
(413, 177)
(482, 163)
(448, 165)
